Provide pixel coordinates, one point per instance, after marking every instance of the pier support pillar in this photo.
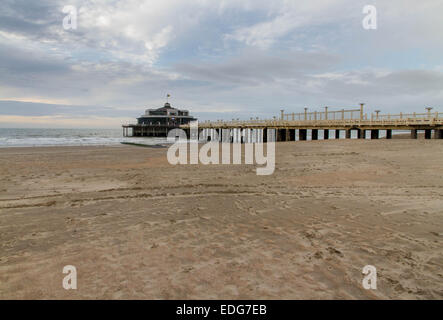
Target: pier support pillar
(243, 135)
(302, 134)
(326, 134)
(374, 134)
(337, 134)
(438, 134)
(271, 135)
(246, 135)
(348, 133)
(314, 134)
(287, 135)
(281, 135)
(428, 133)
(239, 135)
(264, 135)
(225, 136)
(254, 136)
(413, 134)
(291, 134)
(234, 135)
(389, 134)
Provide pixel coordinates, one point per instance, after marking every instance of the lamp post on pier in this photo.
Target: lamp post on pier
(429, 111)
(376, 114)
(361, 110)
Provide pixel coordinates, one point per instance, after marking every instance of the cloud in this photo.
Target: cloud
(255, 67)
(20, 108)
(286, 19)
(18, 61)
(61, 122)
(221, 59)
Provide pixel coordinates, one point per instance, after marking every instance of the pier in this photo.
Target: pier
(336, 124)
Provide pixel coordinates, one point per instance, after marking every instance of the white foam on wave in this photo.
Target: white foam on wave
(67, 137)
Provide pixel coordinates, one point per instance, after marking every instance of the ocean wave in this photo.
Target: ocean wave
(67, 137)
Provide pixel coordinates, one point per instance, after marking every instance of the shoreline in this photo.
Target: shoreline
(395, 136)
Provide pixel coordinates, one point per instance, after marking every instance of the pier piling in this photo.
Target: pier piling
(428, 133)
(291, 134)
(326, 134)
(314, 134)
(438, 134)
(303, 134)
(389, 134)
(374, 134)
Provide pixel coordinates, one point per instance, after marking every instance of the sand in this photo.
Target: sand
(136, 227)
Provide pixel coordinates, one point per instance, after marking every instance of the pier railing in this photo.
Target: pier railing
(331, 119)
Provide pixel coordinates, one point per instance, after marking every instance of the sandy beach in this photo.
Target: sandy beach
(136, 227)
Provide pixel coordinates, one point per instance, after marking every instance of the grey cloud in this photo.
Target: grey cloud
(401, 82)
(94, 65)
(414, 81)
(15, 61)
(255, 67)
(406, 90)
(19, 108)
(13, 24)
(34, 19)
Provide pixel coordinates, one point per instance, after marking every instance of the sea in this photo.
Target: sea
(10, 137)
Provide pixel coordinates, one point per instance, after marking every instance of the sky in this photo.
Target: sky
(219, 59)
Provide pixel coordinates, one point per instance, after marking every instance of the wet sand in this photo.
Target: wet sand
(136, 227)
